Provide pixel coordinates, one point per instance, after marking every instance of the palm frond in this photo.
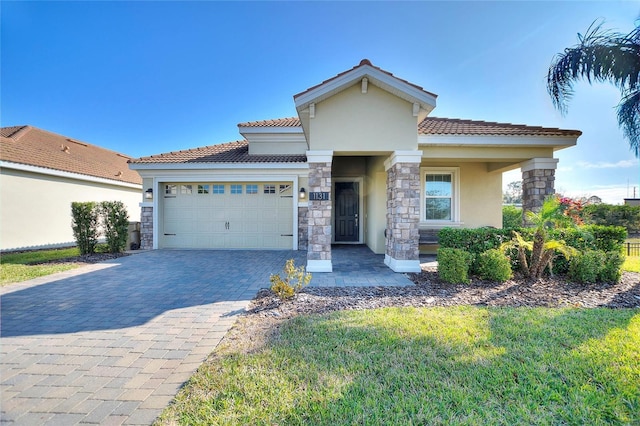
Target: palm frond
(628, 112)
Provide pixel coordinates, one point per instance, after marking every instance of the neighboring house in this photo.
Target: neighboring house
(42, 173)
(362, 163)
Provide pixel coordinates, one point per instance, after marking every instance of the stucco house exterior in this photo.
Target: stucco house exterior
(42, 173)
(363, 162)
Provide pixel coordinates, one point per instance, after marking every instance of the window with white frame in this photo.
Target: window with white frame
(252, 189)
(203, 189)
(236, 189)
(218, 188)
(440, 195)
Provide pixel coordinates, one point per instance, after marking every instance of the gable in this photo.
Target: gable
(355, 122)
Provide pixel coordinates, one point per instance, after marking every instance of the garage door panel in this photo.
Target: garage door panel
(254, 218)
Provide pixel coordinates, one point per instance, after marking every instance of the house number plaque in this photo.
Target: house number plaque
(318, 196)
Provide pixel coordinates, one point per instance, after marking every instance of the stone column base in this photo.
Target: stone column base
(402, 265)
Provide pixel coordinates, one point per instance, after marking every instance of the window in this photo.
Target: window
(203, 189)
(236, 189)
(170, 189)
(218, 189)
(252, 189)
(440, 195)
(186, 189)
(269, 188)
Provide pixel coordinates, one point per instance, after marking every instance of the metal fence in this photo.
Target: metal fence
(633, 249)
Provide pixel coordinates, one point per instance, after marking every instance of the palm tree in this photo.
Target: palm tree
(602, 56)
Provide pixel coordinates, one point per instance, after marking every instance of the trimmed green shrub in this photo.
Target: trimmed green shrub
(585, 267)
(453, 265)
(115, 224)
(84, 223)
(494, 265)
(611, 270)
(474, 241)
(511, 217)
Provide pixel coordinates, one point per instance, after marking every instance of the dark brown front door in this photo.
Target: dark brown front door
(347, 210)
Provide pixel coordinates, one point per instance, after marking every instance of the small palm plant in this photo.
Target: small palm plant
(541, 248)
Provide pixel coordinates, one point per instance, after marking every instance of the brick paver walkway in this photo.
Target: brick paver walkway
(112, 343)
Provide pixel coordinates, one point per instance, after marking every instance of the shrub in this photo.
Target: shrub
(453, 265)
(474, 241)
(607, 214)
(295, 280)
(115, 223)
(511, 217)
(611, 270)
(84, 223)
(494, 265)
(586, 267)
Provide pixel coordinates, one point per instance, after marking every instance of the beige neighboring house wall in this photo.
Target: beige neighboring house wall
(42, 173)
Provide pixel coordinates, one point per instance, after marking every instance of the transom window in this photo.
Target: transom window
(269, 188)
(186, 189)
(170, 189)
(203, 189)
(440, 195)
(236, 189)
(218, 189)
(252, 189)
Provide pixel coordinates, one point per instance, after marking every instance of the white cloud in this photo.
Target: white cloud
(605, 165)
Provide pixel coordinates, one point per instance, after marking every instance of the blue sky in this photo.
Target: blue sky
(143, 78)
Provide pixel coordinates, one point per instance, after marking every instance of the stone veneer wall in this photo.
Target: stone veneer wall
(319, 214)
(537, 184)
(146, 228)
(403, 215)
(303, 228)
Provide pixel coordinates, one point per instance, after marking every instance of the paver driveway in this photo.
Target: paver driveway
(112, 343)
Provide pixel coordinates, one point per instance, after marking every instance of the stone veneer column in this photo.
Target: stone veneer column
(303, 227)
(146, 228)
(403, 211)
(319, 212)
(538, 182)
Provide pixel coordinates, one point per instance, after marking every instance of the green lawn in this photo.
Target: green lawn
(15, 267)
(459, 365)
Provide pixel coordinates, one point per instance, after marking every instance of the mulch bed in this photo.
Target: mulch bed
(431, 291)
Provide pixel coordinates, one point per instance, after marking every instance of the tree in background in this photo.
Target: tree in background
(513, 193)
(602, 56)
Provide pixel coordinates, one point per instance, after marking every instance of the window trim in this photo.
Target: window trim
(455, 196)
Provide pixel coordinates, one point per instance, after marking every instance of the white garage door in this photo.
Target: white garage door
(233, 215)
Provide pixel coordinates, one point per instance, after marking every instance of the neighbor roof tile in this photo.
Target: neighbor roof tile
(36, 147)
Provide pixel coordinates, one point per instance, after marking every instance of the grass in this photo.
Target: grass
(631, 264)
(456, 365)
(16, 267)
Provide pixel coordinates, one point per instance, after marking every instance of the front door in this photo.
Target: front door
(347, 211)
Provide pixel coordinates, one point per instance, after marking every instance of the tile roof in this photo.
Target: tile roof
(361, 64)
(36, 147)
(238, 152)
(231, 152)
(453, 126)
(449, 126)
(278, 122)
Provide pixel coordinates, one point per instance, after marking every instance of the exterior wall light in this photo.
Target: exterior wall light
(148, 194)
(303, 194)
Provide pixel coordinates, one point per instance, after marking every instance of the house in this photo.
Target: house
(363, 162)
(42, 173)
